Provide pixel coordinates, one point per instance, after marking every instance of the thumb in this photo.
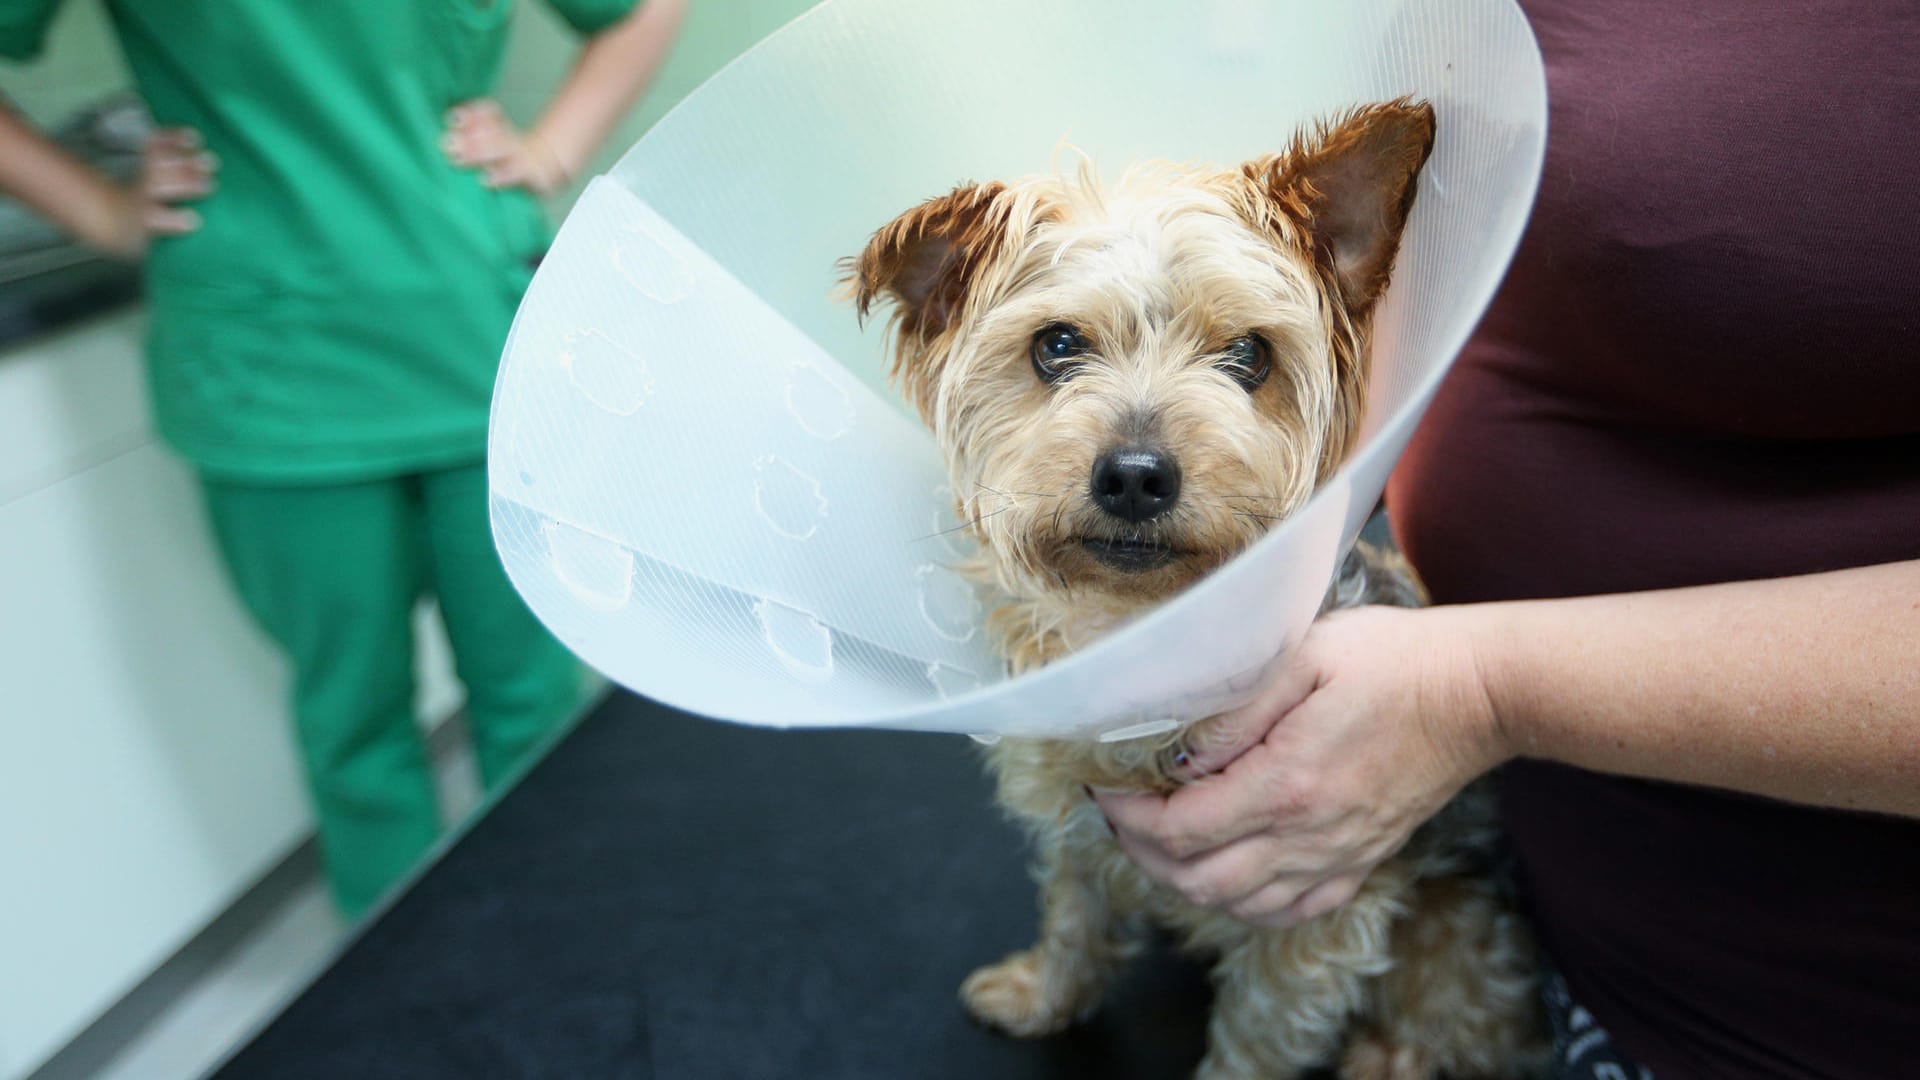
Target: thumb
(1214, 743)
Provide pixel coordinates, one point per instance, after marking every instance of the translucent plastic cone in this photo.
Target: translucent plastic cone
(700, 481)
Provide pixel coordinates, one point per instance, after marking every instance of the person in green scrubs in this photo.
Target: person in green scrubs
(337, 227)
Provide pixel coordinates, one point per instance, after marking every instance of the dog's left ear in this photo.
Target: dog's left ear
(1347, 188)
(925, 260)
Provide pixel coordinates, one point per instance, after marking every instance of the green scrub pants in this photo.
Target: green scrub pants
(332, 573)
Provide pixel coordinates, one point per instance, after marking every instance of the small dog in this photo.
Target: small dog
(1131, 386)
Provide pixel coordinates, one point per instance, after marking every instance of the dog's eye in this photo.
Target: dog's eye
(1247, 360)
(1055, 350)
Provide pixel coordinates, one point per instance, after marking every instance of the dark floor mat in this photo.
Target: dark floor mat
(677, 898)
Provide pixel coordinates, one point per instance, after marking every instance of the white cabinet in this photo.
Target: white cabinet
(147, 775)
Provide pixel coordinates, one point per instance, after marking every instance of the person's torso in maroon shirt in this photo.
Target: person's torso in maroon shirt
(1704, 366)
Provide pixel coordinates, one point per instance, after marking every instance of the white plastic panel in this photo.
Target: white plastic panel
(699, 479)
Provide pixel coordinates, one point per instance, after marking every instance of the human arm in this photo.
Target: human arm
(611, 70)
(1805, 689)
(91, 206)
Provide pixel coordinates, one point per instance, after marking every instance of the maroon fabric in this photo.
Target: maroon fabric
(1704, 366)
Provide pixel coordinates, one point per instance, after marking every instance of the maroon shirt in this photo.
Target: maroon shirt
(1704, 366)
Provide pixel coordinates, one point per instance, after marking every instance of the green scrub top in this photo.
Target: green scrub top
(339, 314)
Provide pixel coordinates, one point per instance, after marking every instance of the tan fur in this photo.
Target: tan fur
(1159, 274)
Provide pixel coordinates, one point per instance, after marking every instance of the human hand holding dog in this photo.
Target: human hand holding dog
(1801, 688)
(1378, 719)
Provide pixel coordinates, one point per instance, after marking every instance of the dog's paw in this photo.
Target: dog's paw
(1016, 996)
(1372, 1056)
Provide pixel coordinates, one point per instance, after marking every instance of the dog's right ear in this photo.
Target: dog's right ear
(925, 260)
(1348, 185)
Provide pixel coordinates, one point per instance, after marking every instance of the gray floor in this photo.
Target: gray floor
(232, 998)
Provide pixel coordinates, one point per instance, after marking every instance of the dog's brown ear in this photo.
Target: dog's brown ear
(925, 260)
(1347, 186)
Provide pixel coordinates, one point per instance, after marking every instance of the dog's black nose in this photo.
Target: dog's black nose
(1136, 483)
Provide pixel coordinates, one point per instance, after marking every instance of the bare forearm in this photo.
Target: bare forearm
(36, 171)
(1806, 689)
(610, 72)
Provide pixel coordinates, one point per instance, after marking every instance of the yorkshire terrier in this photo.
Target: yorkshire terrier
(1131, 385)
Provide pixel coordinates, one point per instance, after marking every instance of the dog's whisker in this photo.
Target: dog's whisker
(958, 528)
(997, 491)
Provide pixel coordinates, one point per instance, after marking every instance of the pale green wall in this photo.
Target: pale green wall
(82, 62)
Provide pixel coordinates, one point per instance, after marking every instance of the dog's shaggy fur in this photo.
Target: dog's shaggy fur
(1131, 385)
